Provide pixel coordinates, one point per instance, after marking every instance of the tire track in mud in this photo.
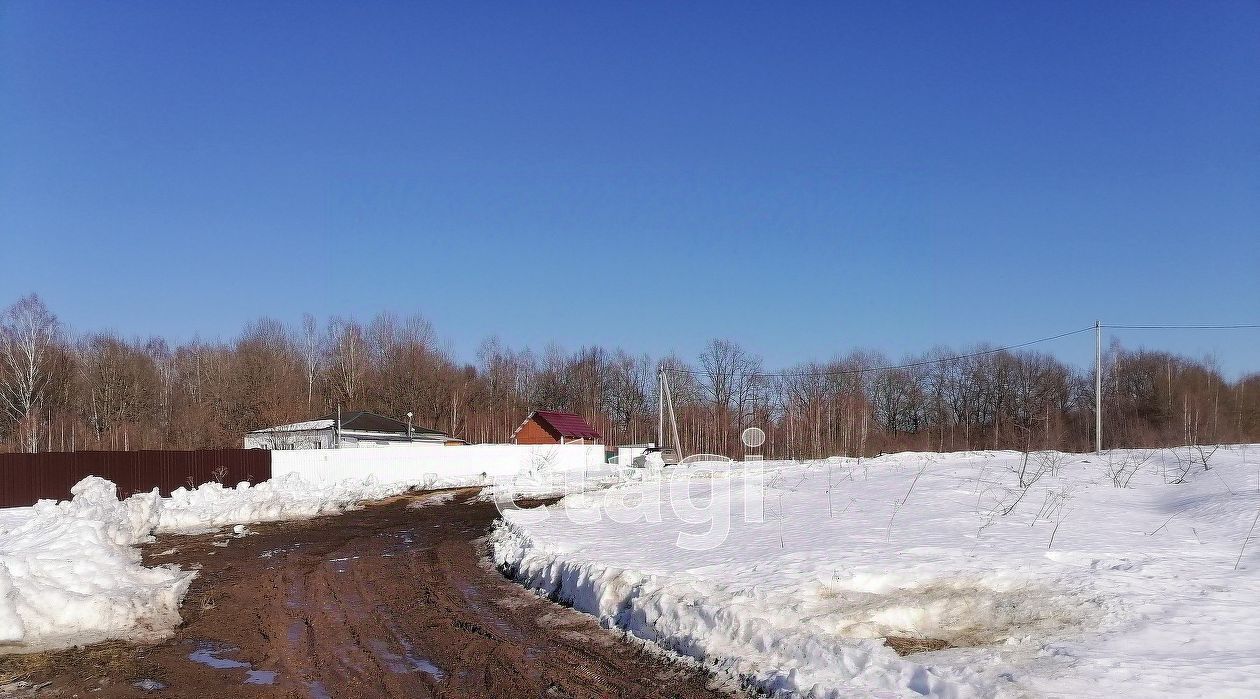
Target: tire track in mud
(387, 601)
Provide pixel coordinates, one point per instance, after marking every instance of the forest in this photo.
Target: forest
(61, 390)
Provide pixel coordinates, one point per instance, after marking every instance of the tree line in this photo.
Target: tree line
(96, 390)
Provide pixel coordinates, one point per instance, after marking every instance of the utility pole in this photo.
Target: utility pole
(1098, 386)
(665, 396)
(673, 417)
(660, 408)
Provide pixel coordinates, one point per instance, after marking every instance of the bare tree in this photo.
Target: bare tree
(312, 352)
(347, 359)
(629, 398)
(734, 382)
(101, 391)
(29, 333)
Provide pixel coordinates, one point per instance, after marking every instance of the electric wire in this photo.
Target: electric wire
(1188, 326)
(889, 367)
(969, 355)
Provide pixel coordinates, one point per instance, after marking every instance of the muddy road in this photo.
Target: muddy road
(390, 601)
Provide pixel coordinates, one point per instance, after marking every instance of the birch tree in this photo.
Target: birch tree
(347, 359)
(29, 333)
(309, 344)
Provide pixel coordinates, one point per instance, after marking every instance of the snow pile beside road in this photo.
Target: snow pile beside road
(1057, 581)
(69, 572)
(287, 497)
(541, 483)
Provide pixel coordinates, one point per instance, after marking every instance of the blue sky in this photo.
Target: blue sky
(804, 178)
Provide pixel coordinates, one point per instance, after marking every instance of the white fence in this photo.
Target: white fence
(435, 463)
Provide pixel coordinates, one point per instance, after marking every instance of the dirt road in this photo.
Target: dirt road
(389, 601)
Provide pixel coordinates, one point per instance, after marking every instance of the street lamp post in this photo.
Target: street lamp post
(409, 426)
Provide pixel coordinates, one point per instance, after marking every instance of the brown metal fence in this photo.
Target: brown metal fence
(27, 478)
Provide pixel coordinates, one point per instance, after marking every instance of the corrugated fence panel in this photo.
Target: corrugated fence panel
(27, 478)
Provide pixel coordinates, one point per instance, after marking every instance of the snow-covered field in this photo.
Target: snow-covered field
(788, 575)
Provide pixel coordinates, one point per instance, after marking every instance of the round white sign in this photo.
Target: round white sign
(753, 437)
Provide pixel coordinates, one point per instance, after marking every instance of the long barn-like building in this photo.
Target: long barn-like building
(554, 427)
(355, 429)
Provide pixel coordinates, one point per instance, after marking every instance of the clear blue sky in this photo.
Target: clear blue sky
(803, 178)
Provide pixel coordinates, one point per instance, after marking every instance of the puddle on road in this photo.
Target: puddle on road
(405, 537)
(296, 593)
(473, 597)
(342, 565)
(317, 690)
(407, 662)
(261, 677)
(208, 654)
(296, 633)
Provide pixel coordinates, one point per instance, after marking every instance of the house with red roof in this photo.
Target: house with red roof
(554, 427)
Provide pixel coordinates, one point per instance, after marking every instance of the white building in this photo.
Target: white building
(357, 429)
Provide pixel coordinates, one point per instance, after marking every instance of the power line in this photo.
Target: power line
(982, 353)
(891, 367)
(1235, 326)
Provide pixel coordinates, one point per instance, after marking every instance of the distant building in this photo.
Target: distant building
(357, 429)
(552, 427)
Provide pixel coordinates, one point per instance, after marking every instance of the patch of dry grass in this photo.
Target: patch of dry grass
(107, 659)
(906, 645)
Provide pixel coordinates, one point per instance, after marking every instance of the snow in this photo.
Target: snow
(440, 466)
(287, 497)
(784, 575)
(70, 572)
(789, 575)
(309, 425)
(439, 498)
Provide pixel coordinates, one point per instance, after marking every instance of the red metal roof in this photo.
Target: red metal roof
(567, 425)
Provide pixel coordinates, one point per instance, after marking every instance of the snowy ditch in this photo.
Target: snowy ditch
(790, 576)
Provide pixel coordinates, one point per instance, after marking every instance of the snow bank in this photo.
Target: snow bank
(435, 465)
(789, 575)
(69, 572)
(504, 471)
(288, 497)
